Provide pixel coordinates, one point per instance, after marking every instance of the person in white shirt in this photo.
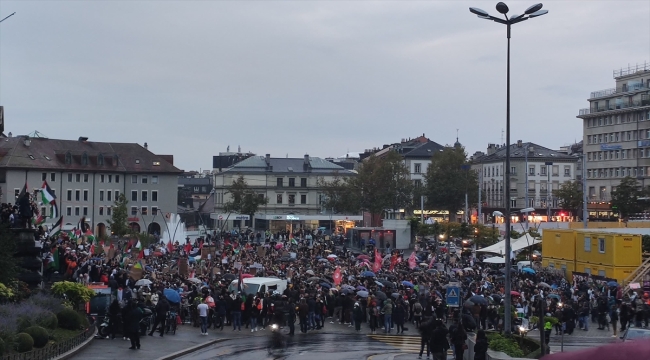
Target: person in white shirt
(203, 315)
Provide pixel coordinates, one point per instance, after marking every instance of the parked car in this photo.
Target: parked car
(636, 334)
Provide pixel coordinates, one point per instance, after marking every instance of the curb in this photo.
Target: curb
(74, 351)
(191, 349)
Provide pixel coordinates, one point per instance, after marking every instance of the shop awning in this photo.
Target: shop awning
(515, 245)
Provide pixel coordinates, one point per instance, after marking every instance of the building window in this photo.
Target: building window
(117, 195)
(134, 195)
(303, 199)
(154, 195)
(109, 211)
(542, 170)
(154, 180)
(417, 183)
(144, 211)
(101, 195)
(292, 199)
(108, 195)
(134, 179)
(513, 170)
(278, 198)
(588, 270)
(52, 176)
(513, 202)
(77, 177)
(101, 210)
(531, 170)
(279, 182)
(303, 182)
(134, 210)
(601, 273)
(587, 244)
(68, 158)
(144, 195)
(100, 159)
(601, 245)
(144, 180)
(76, 210)
(85, 195)
(69, 177)
(77, 195)
(292, 182)
(68, 211)
(44, 177)
(68, 195)
(117, 179)
(85, 210)
(154, 211)
(567, 170)
(196, 189)
(418, 168)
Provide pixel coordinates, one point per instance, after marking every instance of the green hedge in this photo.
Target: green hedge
(24, 342)
(70, 319)
(39, 334)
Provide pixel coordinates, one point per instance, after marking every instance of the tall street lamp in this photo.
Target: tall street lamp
(531, 12)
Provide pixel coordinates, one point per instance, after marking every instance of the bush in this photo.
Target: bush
(39, 334)
(76, 293)
(69, 319)
(2, 347)
(24, 342)
(48, 321)
(507, 346)
(46, 302)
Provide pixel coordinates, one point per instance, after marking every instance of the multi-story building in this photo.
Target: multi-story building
(291, 186)
(616, 136)
(535, 171)
(87, 177)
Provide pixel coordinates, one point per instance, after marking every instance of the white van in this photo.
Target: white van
(524, 264)
(255, 285)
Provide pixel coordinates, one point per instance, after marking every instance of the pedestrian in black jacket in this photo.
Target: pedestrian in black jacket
(161, 314)
(133, 325)
(481, 346)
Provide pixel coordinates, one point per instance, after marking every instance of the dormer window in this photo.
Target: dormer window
(100, 160)
(115, 160)
(84, 159)
(68, 158)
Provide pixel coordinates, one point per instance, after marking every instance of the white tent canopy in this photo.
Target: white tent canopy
(495, 260)
(515, 245)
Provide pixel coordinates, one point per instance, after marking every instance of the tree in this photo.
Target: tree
(448, 178)
(485, 235)
(119, 221)
(569, 196)
(382, 183)
(76, 293)
(8, 267)
(625, 199)
(243, 200)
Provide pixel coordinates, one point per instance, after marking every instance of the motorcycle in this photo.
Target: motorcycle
(277, 342)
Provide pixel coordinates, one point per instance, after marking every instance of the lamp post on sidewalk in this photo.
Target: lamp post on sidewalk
(531, 12)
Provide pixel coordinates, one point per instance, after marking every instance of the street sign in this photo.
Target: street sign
(453, 295)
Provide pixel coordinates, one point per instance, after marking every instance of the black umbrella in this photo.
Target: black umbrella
(468, 322)
(480, 300)
(229, 277)
(380, 295)
(496, 298)
(432, 271)
(311, 279)
(468, 303)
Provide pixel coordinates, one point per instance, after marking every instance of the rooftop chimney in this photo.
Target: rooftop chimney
(146, 146)
(268, 159)
(83, 139)
(306, 159)
(519, 143)
(27, 141)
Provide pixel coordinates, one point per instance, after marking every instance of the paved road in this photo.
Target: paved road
(314, 346)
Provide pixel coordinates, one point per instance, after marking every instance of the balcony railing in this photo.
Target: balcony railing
(631, 69)
(631, 104)
(618, 90)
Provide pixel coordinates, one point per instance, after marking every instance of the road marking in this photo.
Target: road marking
(408, 344)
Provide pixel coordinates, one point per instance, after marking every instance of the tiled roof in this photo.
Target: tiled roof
(50, 154)
(425, 150)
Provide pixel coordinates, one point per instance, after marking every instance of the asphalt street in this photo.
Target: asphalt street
(313, 347)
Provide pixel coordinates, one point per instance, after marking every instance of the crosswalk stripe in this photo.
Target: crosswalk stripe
(409, 344)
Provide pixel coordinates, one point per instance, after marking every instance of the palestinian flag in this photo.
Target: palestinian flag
(56, 228)
(55, 258)
(22, 193)
(48, 198)
(39, 220)
(89, 235)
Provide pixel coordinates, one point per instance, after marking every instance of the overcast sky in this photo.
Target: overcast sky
(296, 77)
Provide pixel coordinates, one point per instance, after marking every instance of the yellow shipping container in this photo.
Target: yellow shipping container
(608, 249)
(615, 272)
(567, 265)
(559, 244)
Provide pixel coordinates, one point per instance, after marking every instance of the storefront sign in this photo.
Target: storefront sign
(436, 212)
(293, 217)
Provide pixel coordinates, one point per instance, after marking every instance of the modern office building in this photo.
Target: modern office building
(291, 186)
(535, 171)
(87, 177)
(616, 136)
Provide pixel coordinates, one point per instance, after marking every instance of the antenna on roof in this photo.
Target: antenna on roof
(502, 137)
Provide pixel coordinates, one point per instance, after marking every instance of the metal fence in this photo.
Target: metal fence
(53, 351)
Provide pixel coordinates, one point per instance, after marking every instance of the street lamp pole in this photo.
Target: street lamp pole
(531, 12)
